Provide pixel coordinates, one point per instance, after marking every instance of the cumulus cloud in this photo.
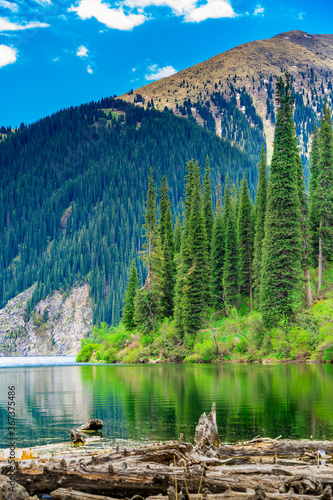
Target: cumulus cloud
(156, 73)
(259, 11)
(8, 55)
(90, 71)
(112, 18)
(82, 51)
(7, 25)
(192, 12)
(213, 9)
(9, 5)
(130, 13)
(44, 2)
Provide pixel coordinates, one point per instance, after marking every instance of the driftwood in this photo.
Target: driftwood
(206, 433)
(77, 438)
(93, 425)
(260, 468)
(70, 494)
(10, 492)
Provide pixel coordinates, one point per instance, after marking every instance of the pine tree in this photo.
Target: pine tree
(305, 229)
(208, 217)
(324, 191)
(150, 226)
(259, 226)
(208, 212)
(245, 242)
(178, 234)
(195, 282)
(313, 208)
(282, 248)
(183, 259)
(230, 266)
(128, 312)
(168, 252)
(217, 254)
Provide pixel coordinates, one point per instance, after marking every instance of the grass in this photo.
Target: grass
(240, 337)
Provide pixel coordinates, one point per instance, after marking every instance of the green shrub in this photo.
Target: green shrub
(86, 352)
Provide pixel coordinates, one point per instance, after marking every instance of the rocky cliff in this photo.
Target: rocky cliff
(55, 327)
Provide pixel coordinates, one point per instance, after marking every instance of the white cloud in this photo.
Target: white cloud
(134, 70)
(7, 25)
(112, 18)
(213, 9)
(190, 9)
(44, 2)
(157, 74)
(301, 16)
(90, 71)
(8, 55)
(82, 51)
(9, 5)
(55, 59)
(259, 11)
(122, 19)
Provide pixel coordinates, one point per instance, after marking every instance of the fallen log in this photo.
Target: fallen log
(70, 494)
(260, 468)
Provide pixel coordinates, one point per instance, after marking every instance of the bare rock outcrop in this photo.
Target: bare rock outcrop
(55, 327)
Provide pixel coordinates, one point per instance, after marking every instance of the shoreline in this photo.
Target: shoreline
(278, 467)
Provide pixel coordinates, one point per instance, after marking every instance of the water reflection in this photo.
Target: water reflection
(158, 402)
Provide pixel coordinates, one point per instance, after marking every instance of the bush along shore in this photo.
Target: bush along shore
(263, 468)
(244, 282)
(240, 337)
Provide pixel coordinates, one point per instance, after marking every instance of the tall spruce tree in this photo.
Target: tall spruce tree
(195, 282)
(148, 298)
(208, 217)
(178, 234)
(259, 224)
(313, 208)
(183, 259)
(282, 249)
(245, 242)
(217, 254)
(207, 203)
(324, 191)
(128, 311)
(305, 229)
(150, 226)
(230, 266)
(168, 252)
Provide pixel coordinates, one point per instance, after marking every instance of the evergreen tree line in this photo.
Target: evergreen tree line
(72, 196)
(239, 253)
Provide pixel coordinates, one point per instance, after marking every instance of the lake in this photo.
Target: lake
(158, 402)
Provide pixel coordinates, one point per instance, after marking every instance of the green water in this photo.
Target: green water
(158, 402)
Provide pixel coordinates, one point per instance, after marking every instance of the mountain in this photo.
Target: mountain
(73, 185)
(243, 79)
(72, 191)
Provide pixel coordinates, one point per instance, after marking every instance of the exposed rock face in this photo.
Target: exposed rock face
(55, 327)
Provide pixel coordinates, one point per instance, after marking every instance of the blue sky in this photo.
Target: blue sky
(58, 53)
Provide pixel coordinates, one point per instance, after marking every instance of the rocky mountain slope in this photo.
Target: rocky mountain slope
(252, 68)
(55, 328)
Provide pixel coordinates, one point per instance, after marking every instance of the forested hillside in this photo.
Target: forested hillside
(238, 87)
(72, 190)
(240, 280)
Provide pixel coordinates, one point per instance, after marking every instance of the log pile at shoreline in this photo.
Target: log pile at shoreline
(175, 470)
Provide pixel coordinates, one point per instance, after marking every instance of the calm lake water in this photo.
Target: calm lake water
(158, 402)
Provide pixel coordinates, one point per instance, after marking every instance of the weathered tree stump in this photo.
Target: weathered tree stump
(206, 433)
(93, 425)
(77, 439)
